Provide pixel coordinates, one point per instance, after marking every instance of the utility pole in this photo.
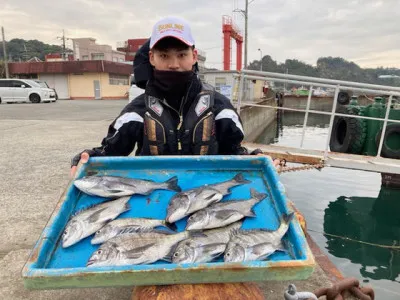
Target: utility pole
(246, 17)
(245, 13)
(63, 44)
(5, 53)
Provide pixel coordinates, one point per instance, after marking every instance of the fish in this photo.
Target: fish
(224, 213)
(186, 202)
(87, 221)
(256, 244)
(136, 249)
(128, 225)
(116, 186)
(204, 249)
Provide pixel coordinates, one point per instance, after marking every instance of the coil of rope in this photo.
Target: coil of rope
(284, 169)
(337, 291)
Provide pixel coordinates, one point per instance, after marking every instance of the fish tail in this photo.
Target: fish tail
(256, 195)
(288, 218)
(240, 179)
(170, 226)
(172, 184)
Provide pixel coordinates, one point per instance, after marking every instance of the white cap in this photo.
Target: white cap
(172, 27)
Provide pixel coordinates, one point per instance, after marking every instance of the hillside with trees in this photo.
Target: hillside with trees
(23, 50)
(330, 67)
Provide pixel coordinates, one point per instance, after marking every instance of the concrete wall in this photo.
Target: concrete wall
(256, 119)
(109, 91)
(316, 103)
(82, 87)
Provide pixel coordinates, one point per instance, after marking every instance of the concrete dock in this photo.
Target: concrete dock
(37, 143)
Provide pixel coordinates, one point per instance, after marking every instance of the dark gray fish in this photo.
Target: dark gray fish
(186, 202)
(128, 225)
(204, 249)
(115, 186)
(257, 244)
(224, 213)
(139, 248)
(88, 221)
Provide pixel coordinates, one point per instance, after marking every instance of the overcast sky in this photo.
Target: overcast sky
(364, 31)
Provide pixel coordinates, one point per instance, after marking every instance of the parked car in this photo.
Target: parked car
(45, 85)
(24, 90)
(134, 91)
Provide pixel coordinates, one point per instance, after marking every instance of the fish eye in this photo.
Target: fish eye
(98, 231)
(176, 254)
(228, 254)
(99, 251)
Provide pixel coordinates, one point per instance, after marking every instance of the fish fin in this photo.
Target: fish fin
(250, 213)
(196, 233)
(83, 209)
(115, 191)
(172, 184)
(288, 218)
(256, 195)
(208, 249)
(225, 214)
(240, 179)
(137, 252)
(95, 216)
(170, 226)
(161, 231)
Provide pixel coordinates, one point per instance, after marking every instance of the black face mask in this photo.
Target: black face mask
(172, 81)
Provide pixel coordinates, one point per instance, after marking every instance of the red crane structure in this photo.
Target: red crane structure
(230, 31)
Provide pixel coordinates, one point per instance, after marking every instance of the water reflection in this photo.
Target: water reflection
(373, 220)
(289, 124)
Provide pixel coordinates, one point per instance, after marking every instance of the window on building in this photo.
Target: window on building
(85, 57)
(116, 79)
(218, 82)
(97, 56)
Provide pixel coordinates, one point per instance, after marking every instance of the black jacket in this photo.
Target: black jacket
(126, 131)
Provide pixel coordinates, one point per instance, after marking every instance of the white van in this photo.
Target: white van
(134, 90)
(24, 90)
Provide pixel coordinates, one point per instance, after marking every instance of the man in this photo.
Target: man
(177, 114)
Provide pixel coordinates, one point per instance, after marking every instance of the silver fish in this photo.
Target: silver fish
(189, 201)
(204, 249)
(136, 249)
(88, 221)
(115, 186)
(128, 225)
(257, 244)
(224, 213)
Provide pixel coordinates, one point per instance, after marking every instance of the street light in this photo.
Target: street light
(260, 59)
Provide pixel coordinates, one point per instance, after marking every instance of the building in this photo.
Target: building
(227, 84)
(88, 79)
(130, 47)
(87, 49)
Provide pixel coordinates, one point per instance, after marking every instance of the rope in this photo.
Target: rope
(394, 247)
(301, 168)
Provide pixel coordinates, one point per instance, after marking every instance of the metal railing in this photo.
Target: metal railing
(338, 85)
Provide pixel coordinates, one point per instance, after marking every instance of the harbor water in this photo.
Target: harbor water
(349, 215)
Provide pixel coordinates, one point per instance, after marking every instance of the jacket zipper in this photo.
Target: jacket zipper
(180, 114)
(195, 127)
(165, 139)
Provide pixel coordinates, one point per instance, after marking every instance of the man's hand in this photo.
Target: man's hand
(278, 163)
(82, 157)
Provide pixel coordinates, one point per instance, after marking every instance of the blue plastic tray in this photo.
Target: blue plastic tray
(50, 266)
